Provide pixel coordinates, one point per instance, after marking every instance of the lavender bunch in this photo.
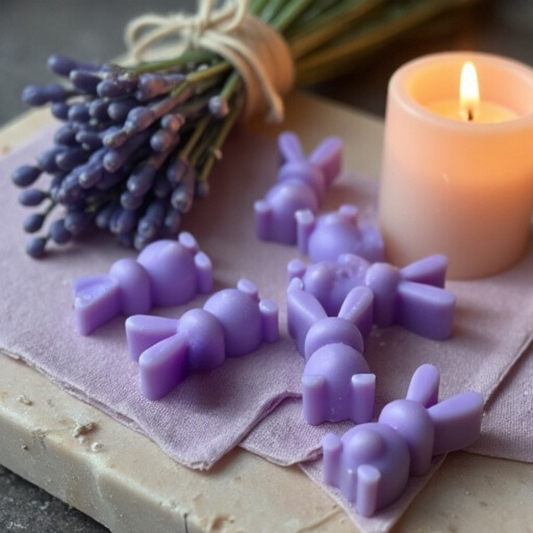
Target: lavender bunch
(135, 147)
(138, 143)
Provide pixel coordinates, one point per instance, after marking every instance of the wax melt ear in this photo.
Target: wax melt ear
(457, 421)
(96, 301)
(357, 309)
(430, 270)
(144, 331)
(328, 157)
(163, 366)
(289, 147)
(425, 310)
(303, 310)
(424, 386)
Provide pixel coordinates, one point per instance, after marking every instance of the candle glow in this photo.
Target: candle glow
(469, 91)
(453, 184)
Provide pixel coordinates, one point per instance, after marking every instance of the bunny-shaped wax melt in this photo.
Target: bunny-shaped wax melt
(166, 273)
(326, 237)
(336, 383)
(302, 182)
(412, 297)
(246, 320)
(233, 322)
(371, 463)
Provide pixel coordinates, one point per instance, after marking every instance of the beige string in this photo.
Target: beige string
(254, 48)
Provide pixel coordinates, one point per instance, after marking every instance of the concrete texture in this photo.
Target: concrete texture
(31, 30)
(25, 508)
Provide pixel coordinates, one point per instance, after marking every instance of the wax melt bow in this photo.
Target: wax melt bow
(166, 273)
(232, 323)
(412, 297)
(372, 462)
(139, 141)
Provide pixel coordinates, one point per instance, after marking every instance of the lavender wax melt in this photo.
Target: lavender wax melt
(326, 237)
(372, 462)
(412, 297)
(166, 273)
(232, 323)
(336, 383)
(302, 182)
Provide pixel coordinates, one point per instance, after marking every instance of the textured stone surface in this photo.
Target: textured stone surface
(25, 508)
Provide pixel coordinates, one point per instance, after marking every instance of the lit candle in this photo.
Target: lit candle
(457, 172)
(469, 107)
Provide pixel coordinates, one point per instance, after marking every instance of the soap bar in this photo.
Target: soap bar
(166, 273)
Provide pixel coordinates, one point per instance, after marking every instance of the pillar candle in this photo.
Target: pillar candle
(456, 179)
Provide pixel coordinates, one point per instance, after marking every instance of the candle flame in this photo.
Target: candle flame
(469, 91)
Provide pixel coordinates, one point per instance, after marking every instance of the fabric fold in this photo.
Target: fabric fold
(254, 399)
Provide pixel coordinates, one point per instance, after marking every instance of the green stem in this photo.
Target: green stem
(385, 28)
(49, 208)
(230, 86)
(257, 6)
(186, 57)
(192, 107)
(218, 141)
(195, 137)
(321, 30)
(199, 150)
(200, 75)
(271, 9)
(289, 14)
(207, 84)
(182, 87)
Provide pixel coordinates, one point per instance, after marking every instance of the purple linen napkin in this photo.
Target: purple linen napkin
(508, 422)
(209, 414)
(493, 329)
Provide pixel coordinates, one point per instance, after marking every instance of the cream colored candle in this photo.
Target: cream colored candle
(457, 175)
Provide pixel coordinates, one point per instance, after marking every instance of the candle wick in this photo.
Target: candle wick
(470, 115)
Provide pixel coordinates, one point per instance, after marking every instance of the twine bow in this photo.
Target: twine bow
(255, 49)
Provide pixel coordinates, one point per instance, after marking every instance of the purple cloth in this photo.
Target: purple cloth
(493, 329)
(287, 438)
(209, 414)
(507, 429)
(384, 520)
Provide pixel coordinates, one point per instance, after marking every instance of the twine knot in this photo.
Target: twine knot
(254, 48)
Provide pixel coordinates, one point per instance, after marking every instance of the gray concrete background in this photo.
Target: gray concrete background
(31, 30)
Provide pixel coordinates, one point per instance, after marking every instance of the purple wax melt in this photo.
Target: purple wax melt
(302, 182)
(326, 237)
(412, 297)
(233, 322)
(166, 273)
(246, 320)
(371, 463)
(336, 383)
